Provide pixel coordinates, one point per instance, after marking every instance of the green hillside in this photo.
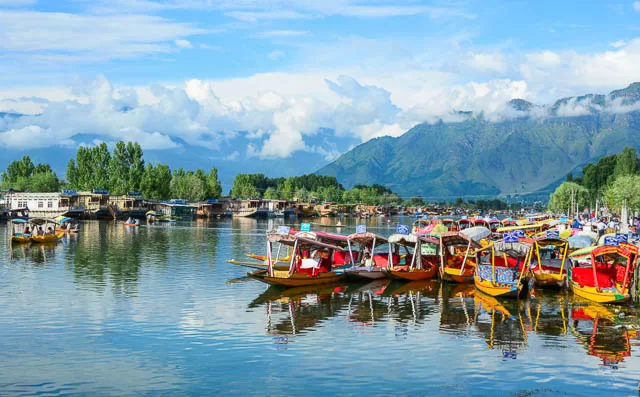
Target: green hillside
(478, 158)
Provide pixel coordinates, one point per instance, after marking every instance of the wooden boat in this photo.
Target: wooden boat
(464, 223)
(503, 268)
(450, 224)
(311, 263)
(603, 274)
(372, 265)
(41, 235)
(65, 225)
(457, 257)
(549, 260)
(423, 264)
(21, 233)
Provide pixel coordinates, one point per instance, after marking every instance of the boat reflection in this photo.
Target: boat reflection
(35, 253)
(601, 332)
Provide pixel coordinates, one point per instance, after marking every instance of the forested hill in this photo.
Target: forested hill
(528, 153)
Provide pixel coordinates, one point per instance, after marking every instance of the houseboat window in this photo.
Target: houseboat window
(40, 204)
(50, 204)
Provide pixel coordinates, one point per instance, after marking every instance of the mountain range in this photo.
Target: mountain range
(528, 152)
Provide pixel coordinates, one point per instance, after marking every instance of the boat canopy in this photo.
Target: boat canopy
(514, 250)
(62, 219)
(366, 238)
(41, 221)
(458, 238)
(476, 233)
(545, 242)
(601, 239)
(593, 235)
(18, 220)
(580, 241)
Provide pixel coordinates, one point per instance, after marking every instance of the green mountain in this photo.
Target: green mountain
(527, 154)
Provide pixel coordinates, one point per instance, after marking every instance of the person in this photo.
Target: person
(600, 226)
(128, 220)
(63, 226)
(612, 225)
(40, 230)
(26, 231)
(49, 230)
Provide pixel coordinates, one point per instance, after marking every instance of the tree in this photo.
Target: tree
(567, 196)
(626, 163)
(136, 166)
(119, 169)
(415, 201)
(44, 182)
(271, 194)
(624, 191)
(72, 174)
(214, 187)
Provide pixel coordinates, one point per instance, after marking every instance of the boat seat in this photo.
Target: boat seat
(583, 276)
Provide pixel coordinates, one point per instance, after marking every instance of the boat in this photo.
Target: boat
(21, 237)
(463, 223)
(41, 235)
(311, 264)
(66, 225)
(450, 224)
(603, 274)
(457, 256)
(549, 260)
(130, 224)
(503, 268)
(372, 265)
(420, 264)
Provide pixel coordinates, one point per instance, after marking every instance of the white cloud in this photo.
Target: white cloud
(618, 44)
(636, 6)
(210, 47)
(282, 33)
(56, 37)
(183, 43)
(494, 62)
(276, 55)
(232, 156)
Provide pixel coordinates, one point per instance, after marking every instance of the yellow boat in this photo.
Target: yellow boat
(21, 231)
(503, 269)
(603, 274)
(548, 261)
(42, 235)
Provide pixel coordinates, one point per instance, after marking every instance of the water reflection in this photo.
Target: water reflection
(38, 254)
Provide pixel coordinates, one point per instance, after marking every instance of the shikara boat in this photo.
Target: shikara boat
(464, 223)
(372, 265)
(420, 261)
(450, 224)
(457, 256)
(67, 225)
(311, 263)
(21, 233)
(42, 235)
(603, 274)
(549, 261)
(503, 268)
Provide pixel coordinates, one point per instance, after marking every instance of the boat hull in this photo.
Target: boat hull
(495, 289)
(454, 275)
(605, 295)
(415, 275)
(550, 280)
(20, 239)
(367, 273)
(47, 238)
(296, 280)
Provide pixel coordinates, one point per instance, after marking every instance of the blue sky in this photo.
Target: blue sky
(268, 75)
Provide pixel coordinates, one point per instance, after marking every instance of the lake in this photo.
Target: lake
(158, 310)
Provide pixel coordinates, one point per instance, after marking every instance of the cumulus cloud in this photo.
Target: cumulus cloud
(183, 43)
(494, 62)
(636, 6)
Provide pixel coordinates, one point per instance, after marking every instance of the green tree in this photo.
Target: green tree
(624, 191)
(136, 166)
(72, 175)
(271, 194)
(565, 198)
(214, 187)
(46, 181)
(626, 163)
(119, 169)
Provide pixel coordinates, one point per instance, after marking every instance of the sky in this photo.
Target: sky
(268, 75)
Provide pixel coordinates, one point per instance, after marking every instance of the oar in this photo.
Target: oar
(252, 265)
(239, 280)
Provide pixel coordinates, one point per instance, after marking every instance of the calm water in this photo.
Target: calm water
(158, 311)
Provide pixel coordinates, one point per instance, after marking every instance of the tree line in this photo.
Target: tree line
(613, 180)
(120, 171)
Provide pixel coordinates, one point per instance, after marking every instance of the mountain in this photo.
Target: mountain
(529, 152)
